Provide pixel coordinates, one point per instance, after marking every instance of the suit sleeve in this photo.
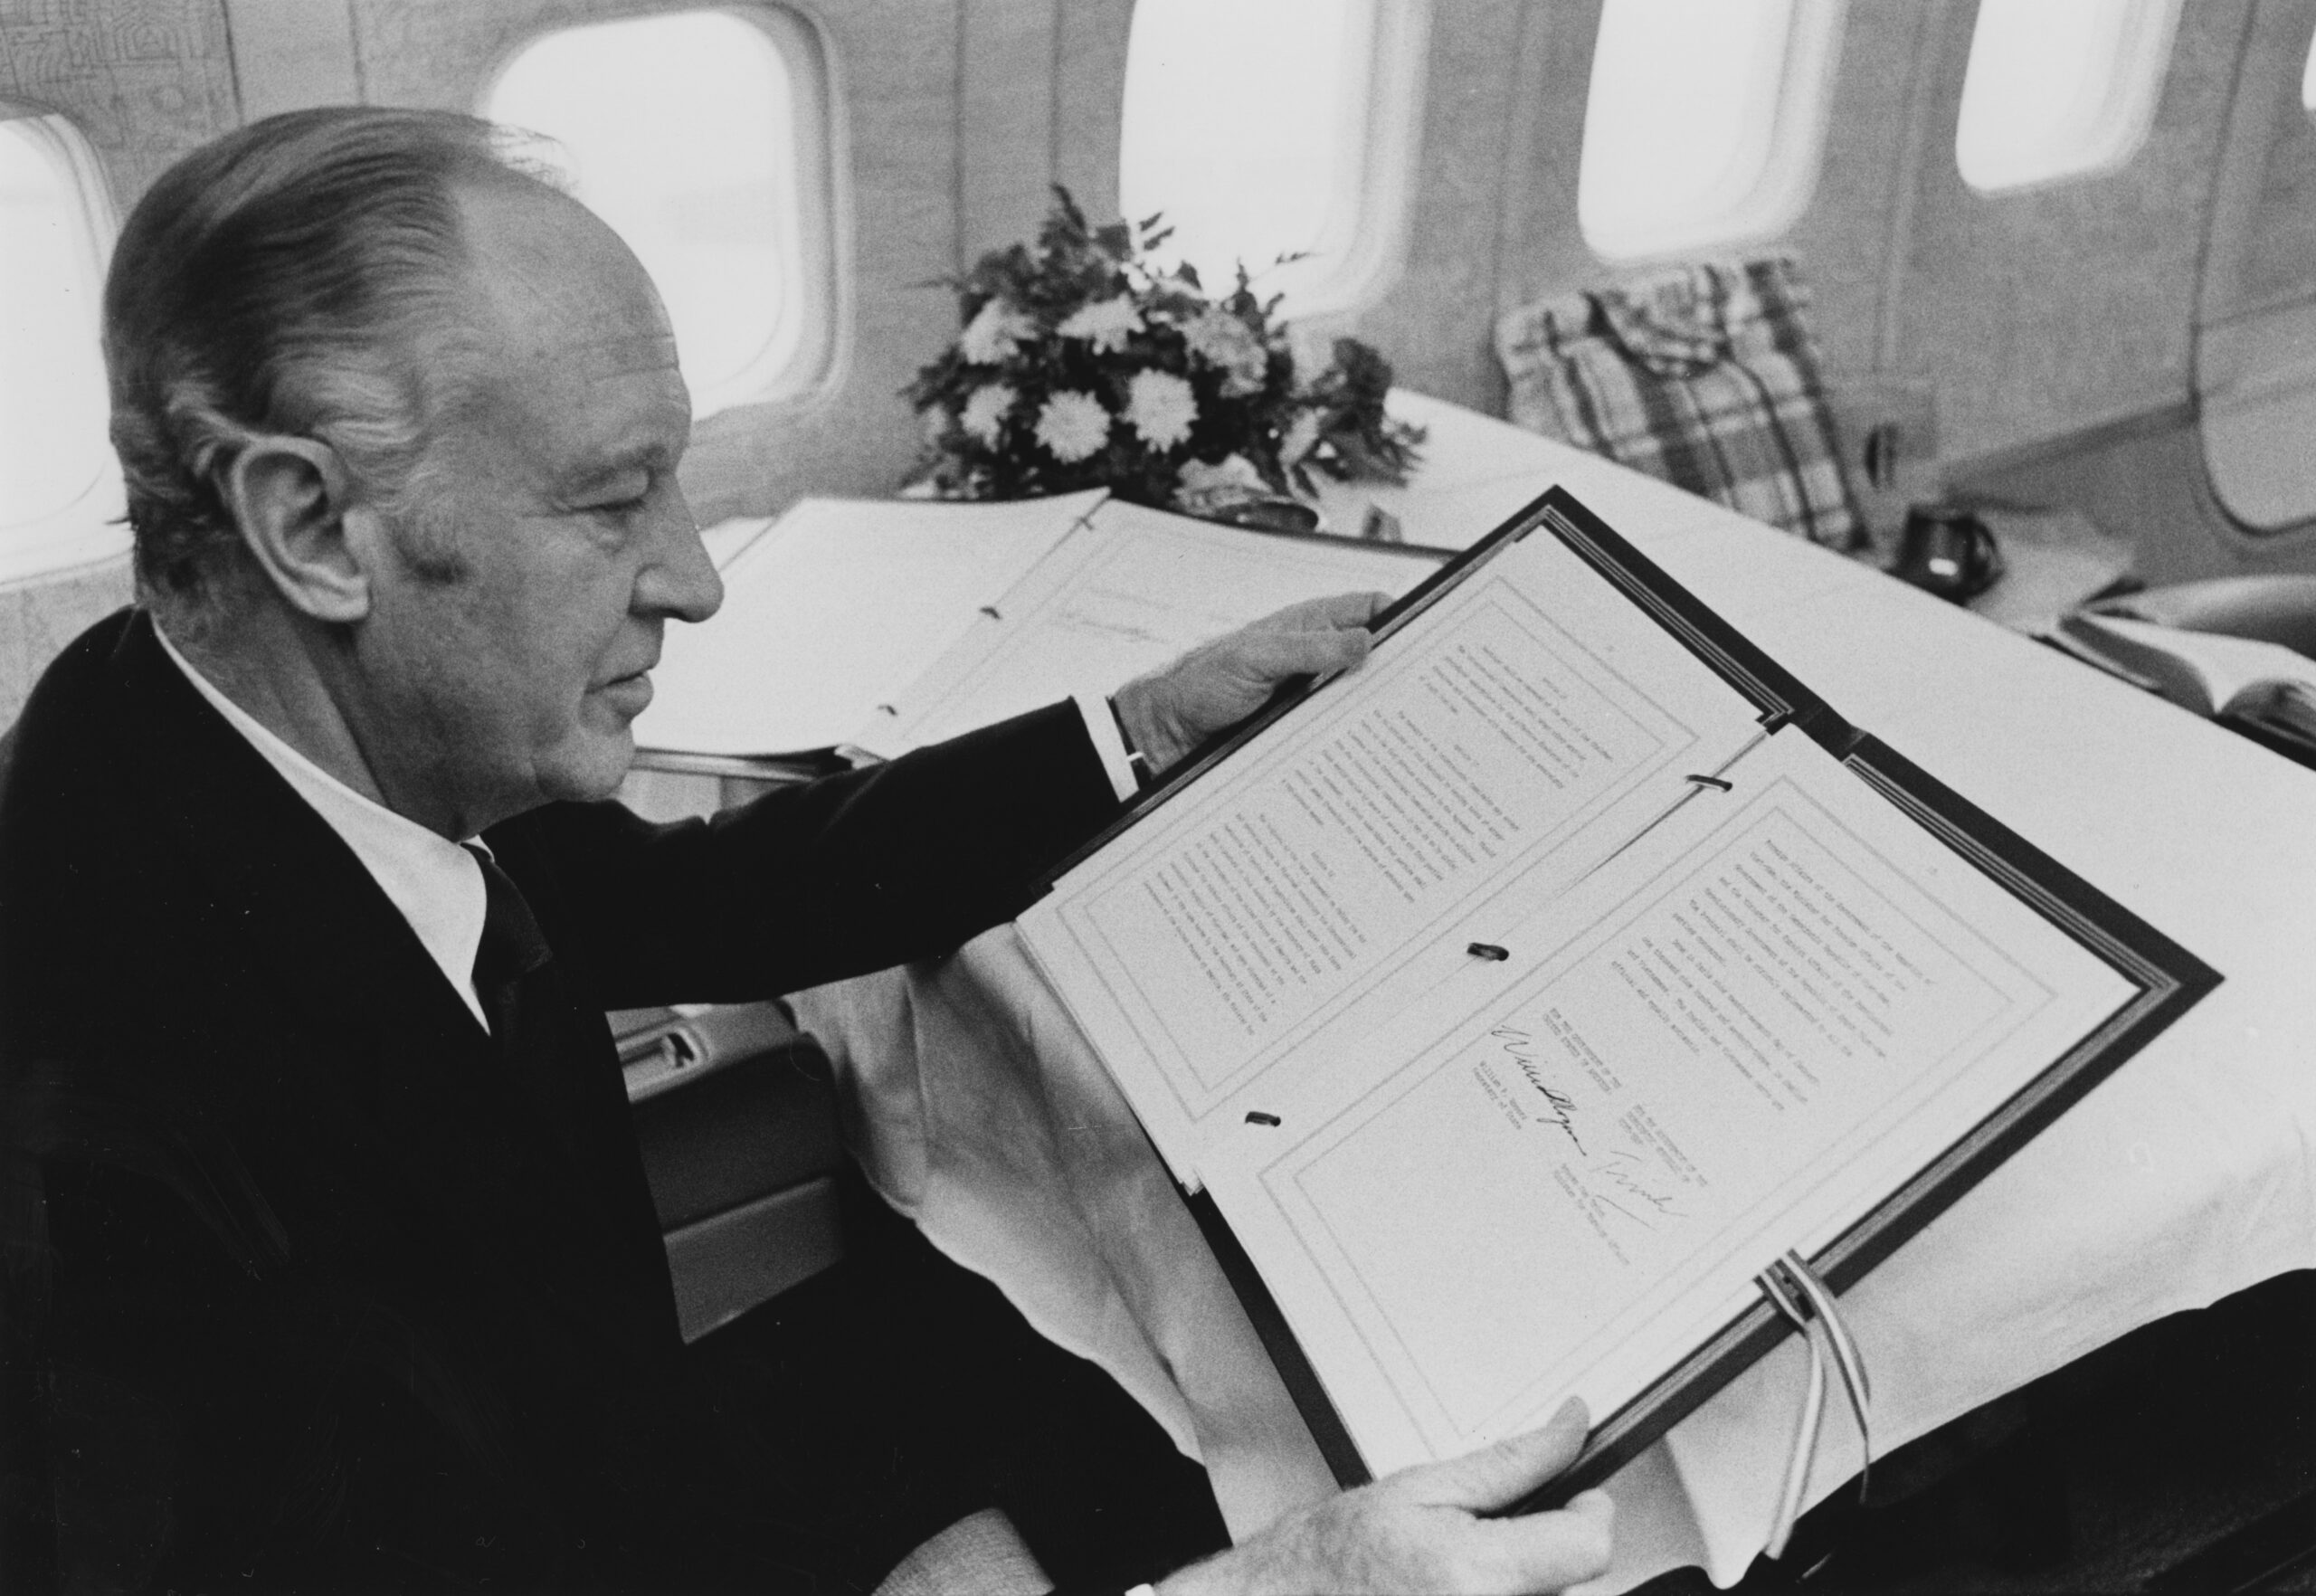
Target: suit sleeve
(813, 882)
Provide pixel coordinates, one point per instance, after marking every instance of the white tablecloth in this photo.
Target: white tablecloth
(2186, 1176)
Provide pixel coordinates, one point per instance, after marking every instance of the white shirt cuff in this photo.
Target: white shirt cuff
(1102, 727)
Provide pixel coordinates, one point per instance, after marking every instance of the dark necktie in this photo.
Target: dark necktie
(510, 951)
(562, 1081)
(542, 1042)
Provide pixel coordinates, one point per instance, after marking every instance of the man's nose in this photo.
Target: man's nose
(678, 579)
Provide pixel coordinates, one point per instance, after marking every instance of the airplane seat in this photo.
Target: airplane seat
(735, 1109)
(737, 1118)
(1707, 376)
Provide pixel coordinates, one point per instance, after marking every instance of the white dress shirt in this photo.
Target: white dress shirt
(1109, 743)
(434, 882)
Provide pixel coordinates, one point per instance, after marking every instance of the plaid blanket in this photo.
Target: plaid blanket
(1705, 375)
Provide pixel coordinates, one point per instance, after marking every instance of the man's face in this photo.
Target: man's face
(509, 634)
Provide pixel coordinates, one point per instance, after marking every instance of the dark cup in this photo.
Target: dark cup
(1947, 551)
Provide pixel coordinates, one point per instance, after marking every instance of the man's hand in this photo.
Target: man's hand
(1416, 1531)
(1219, 684)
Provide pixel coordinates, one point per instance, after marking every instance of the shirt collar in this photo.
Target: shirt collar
(434, 882)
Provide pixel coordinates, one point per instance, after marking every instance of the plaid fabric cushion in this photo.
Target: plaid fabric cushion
(1704, 375)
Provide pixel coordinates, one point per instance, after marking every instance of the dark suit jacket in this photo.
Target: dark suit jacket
(301, 1287)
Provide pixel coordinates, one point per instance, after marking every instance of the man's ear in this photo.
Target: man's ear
(291, 498)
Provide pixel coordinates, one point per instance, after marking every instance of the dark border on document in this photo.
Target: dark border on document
(2165, 978)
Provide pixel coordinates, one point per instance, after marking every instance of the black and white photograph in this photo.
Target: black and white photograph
(1157, 797)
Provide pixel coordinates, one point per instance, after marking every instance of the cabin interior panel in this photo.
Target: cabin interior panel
(890, 70)
(1007, 130)
(1039, 85)
(1852, 227)
(1541, 250)
(289, 54)
(2058, 322)
(2069, 331)
(1467, 194)
(2046, 310)
(1491, 222)
(1087, 86)
(144, 86)
(2255, 356)
(2261, 252)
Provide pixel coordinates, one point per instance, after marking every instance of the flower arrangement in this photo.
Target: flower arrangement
(1084, 364)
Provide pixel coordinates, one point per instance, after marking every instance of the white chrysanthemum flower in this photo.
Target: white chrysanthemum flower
(1302, 437)
(995, 334)
(936, 424)
(1106, 324)
(1073, 425)
(986, 411)
(1160, 406)
(1225, 342)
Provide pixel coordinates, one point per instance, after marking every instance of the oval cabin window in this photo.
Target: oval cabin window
(1270, 131)
(2255, 365)
(2059, 89)
(60, 489)
(1704, 122)
(699, 137)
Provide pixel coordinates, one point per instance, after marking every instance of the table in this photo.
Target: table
(2186, 1176)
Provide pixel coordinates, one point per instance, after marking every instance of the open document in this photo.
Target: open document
(1520, 997)
(883, 626)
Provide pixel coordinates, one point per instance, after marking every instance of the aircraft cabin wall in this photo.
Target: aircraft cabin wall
(2087, 339)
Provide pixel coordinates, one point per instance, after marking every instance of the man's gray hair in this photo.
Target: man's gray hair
(300, 275)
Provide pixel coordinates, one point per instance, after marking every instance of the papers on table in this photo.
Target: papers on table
(834, 609)
(1126, 592)
(882, 625)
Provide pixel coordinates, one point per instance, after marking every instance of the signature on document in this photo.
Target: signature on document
(1621, 1183)
(1560, 1108)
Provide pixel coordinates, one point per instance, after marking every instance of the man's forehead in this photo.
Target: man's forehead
(550, 278)
(598, 353)
(578, 349)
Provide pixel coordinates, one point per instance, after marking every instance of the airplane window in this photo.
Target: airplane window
(2308, 80)
(690, 133)
(2059, 87)
(59, 484)
(1272, 130)
(1704, 121)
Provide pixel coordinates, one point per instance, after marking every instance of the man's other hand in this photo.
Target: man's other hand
(1419, 1531)
(1219, 684)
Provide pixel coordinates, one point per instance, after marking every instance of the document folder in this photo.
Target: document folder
(1508, 1006)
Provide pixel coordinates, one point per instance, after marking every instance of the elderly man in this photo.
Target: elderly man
(332, 1263)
